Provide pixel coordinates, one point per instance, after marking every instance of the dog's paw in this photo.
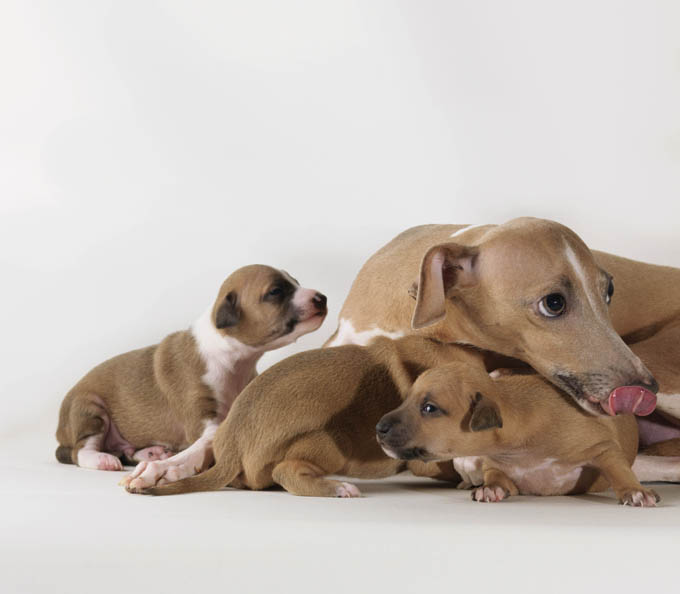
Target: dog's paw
(640, 498)
(489, 494)
(464, 485)
(347, 490)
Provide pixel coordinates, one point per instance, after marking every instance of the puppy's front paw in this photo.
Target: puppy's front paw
(347, 490)
(489, 494)
(640, 498)
(145, 475)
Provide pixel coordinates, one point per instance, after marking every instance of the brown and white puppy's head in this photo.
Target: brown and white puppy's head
(531, 289)
(446, 414)
(265, 308)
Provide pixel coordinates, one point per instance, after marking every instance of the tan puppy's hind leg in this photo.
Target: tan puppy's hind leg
(89, 455)
(300, 477)
(307, 462)
(497, 486)
(89, 424)
(626, 485)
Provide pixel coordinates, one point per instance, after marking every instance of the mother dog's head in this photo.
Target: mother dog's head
(531, 289)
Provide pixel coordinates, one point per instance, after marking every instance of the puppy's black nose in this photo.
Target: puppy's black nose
(320, 301)
(383, 427)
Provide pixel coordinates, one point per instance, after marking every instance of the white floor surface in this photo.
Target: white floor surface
(65, 529)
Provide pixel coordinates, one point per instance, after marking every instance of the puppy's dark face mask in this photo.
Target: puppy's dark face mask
(266, 308)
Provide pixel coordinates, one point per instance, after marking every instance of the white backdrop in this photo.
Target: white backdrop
(147, 149)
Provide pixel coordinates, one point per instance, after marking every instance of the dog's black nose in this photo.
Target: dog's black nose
(383, 427)
(650, 384)
(320, 301)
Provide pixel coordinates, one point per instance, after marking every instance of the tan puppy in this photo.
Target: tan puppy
(533, 439)
(314, 414)
(529, 289)
(146, 404)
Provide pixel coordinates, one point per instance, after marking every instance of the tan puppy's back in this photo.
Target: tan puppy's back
(142, 412)
(320, 407)
(314, 392)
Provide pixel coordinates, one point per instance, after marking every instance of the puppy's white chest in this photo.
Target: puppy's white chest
(226, 383)
(229, 364)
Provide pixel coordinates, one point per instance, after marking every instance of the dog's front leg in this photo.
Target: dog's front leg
(627, 487)
(497, 486)
(197, 457)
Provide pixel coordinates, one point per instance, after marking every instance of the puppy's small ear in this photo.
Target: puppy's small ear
(444, 267)
(228, 313)
(485, 415)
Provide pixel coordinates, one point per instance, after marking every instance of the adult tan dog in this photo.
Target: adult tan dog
(314, 414)
(533, 439)
(528, 289)
(151, 402)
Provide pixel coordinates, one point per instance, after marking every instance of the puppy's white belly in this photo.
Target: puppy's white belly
(547, 477)
(347, 334)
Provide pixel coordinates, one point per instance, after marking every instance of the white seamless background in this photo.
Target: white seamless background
(149, 148)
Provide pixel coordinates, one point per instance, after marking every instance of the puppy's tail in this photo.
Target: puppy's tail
(212, 479)
(64, 454)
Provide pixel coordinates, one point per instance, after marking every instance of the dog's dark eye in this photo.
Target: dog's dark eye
(429, 409)
(552, 305)
(610, 292)
(275, 292)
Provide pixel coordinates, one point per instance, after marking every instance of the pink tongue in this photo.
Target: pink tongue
(630, 399)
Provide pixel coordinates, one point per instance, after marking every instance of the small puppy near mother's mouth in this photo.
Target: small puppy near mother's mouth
(149, 403)
(533, 440)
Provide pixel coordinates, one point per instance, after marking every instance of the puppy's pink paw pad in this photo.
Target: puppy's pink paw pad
(347, 490)
(489, 494)
(645, 498)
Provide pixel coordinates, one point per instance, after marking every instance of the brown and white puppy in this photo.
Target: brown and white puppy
(529, 289)
(148, 403)
(314, 415)
(534, 440)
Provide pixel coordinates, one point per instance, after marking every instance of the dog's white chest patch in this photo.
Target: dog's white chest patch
(347, 334)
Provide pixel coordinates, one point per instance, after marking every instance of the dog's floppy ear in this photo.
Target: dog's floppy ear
(485, 415)
(444, 266)
(228, 313)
